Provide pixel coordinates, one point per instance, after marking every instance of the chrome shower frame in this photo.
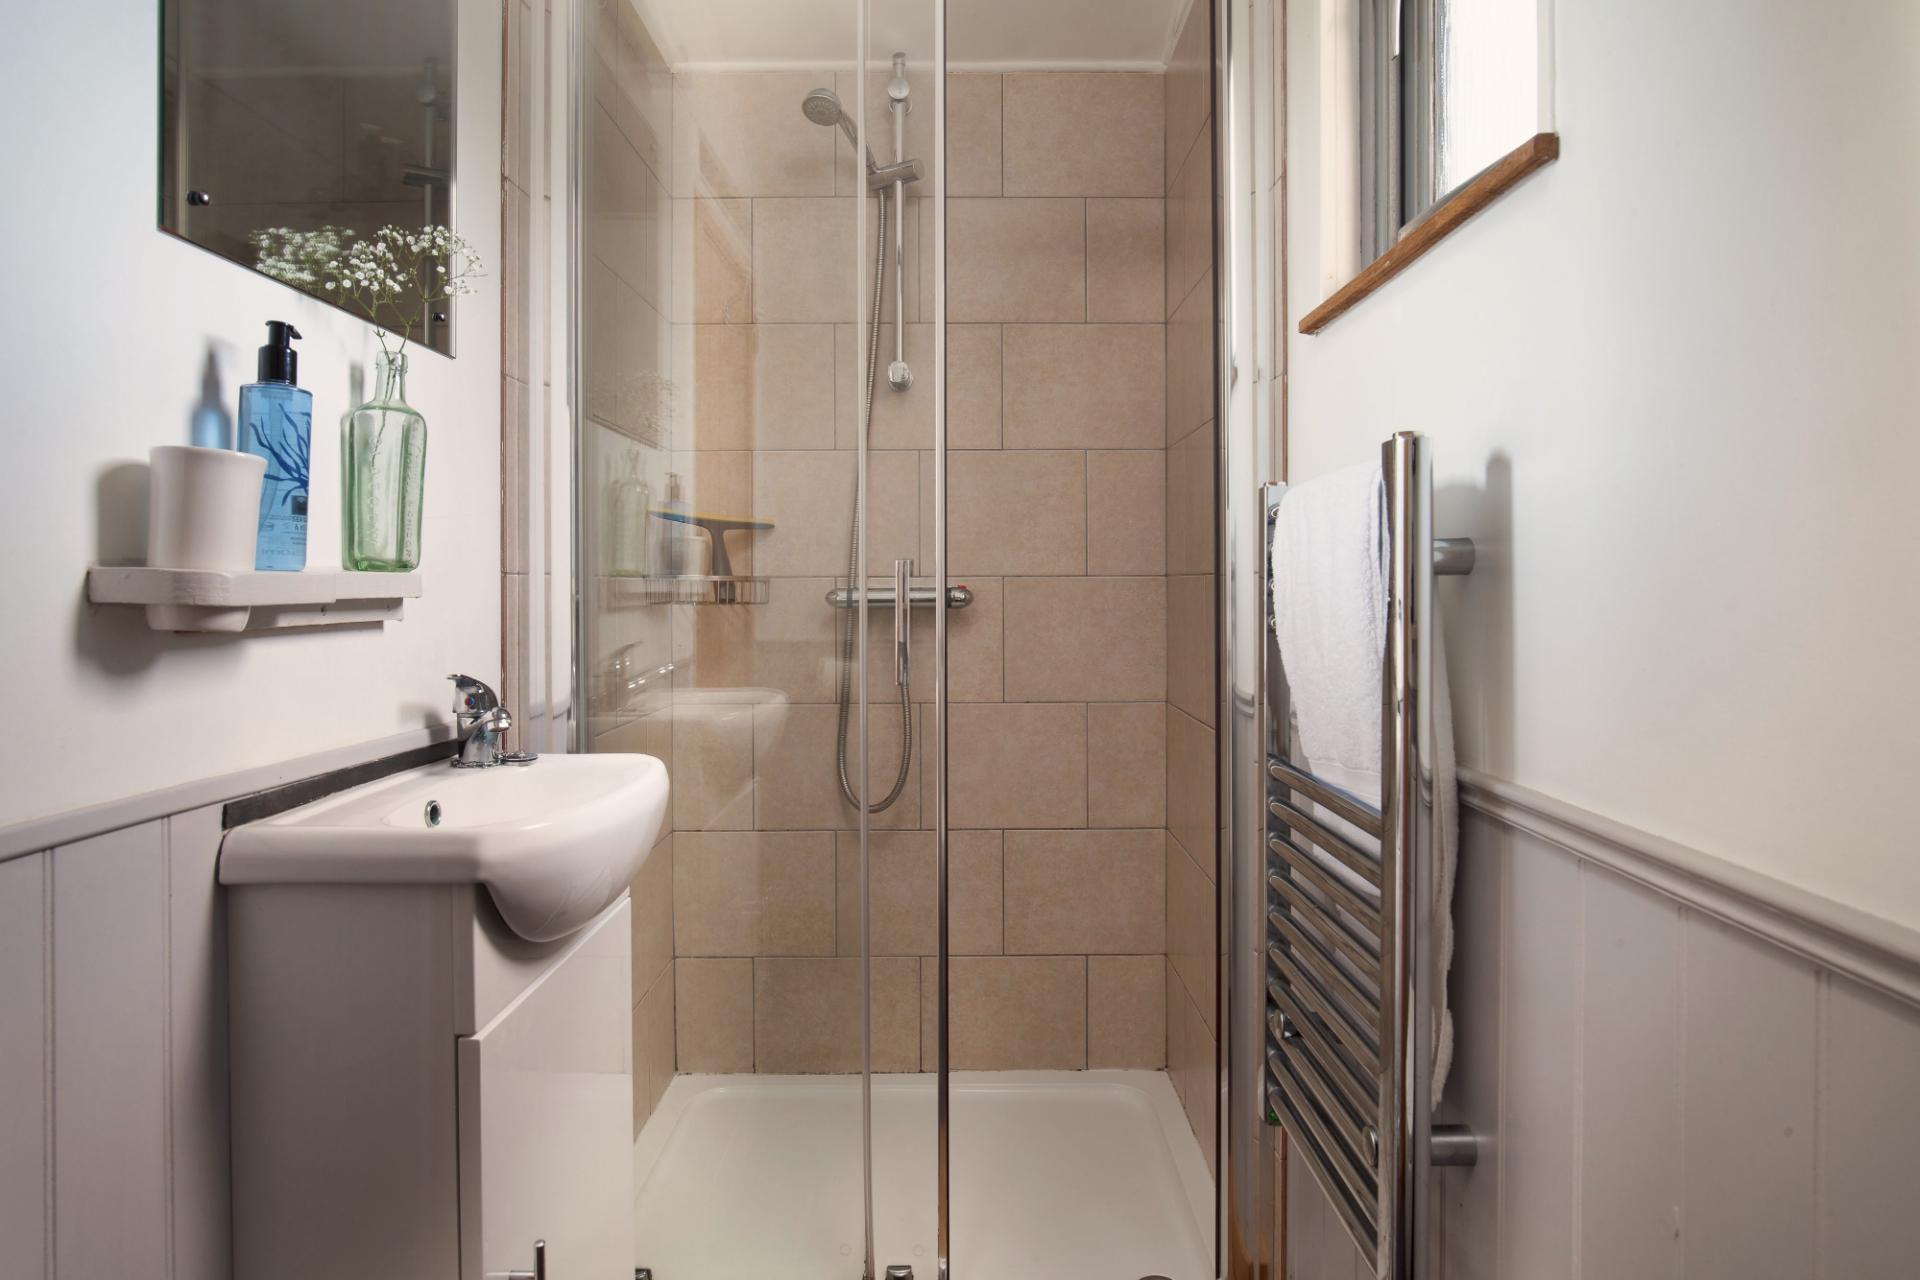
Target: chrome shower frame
(1250, 355)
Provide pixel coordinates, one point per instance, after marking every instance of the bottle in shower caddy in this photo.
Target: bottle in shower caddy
(668, 556)
(276, 422)
(630, 512)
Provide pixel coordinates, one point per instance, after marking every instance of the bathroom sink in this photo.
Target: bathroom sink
(554, 842)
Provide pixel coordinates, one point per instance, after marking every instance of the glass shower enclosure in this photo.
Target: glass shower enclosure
(894, 455)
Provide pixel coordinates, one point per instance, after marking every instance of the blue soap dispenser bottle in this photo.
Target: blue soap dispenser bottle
(276, 422)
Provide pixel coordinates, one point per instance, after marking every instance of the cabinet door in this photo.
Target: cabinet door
(546, 1119)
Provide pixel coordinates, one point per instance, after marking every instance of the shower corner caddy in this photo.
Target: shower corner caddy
(693, 588)
(722, 586)
(246, 600)
(1349, 982)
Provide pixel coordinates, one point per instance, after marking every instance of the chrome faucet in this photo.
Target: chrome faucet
(482, 723)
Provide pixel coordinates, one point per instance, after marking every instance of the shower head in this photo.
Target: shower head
(822, 106)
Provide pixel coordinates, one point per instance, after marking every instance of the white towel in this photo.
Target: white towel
(1330, 615)
(1329, 580)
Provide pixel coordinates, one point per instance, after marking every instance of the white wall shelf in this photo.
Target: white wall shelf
(253, 600)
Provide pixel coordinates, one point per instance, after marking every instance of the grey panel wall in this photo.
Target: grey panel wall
(113, 1114)
(1667, 1095)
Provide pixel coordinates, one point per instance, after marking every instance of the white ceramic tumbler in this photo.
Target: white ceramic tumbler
(203, 512)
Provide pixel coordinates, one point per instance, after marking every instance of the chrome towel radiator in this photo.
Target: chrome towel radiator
(1350, 972)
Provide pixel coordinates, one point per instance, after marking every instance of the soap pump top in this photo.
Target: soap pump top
(279, 362)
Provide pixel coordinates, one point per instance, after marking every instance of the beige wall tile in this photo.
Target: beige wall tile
(626, 210)
(1192, 812)
(713, 766)
(626, 340)
(1126, 277)
(652, 892)
(796, 777)
(1086, 386)
(515, 486)
(975, 893)
(740, 133)
(1080, 639)
(714, 1015)
(1190, 221)
(973, 134)
(803, 261)
(1126, 764)
(1084, 134)
(974, 640)
(752, 893)
(1011, 1013)
(803, 258)
(1016, 512)
(1176, 991)
(905, 893)
(793, 641)
(1189, 88)
(1086, 891)
(793, 386)
(1191, 389)
(1190, 928)
(1203, 1088)
(1023, 260)
(1126, 511)
(654, 1044)
(973, 386)
(712, 648)
(722, 410)
(806, 1014)
(712, 261)
(1018, 765)
(1192, 649)
(1126, 1012)
(1190, 503)
(642, 1095)
(644, 106)
(808, 495)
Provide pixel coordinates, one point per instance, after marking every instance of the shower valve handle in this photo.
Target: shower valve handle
(903, 623)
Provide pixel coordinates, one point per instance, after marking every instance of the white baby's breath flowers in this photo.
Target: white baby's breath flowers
(385, 275)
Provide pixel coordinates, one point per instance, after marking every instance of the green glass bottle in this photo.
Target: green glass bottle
(385, 461)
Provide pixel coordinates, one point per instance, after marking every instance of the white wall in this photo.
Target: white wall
(106, 324)
(1669, 384)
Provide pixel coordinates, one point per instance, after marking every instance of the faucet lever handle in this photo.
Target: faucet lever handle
(472, 697)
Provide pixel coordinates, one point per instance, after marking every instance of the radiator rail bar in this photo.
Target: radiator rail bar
(1348, 893)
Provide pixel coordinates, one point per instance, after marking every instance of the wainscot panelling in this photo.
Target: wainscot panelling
(110, 1172)
(1663, 1092)
(197, 1047)
(113, 1055)
(25, 1088)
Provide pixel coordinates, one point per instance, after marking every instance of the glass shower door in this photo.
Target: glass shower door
(746, 510)
(897, 383)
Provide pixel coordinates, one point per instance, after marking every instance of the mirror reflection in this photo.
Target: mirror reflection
(286, 116)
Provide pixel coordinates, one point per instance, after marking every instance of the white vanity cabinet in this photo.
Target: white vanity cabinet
(418, 1093)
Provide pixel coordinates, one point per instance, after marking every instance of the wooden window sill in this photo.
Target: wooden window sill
(1493, 182)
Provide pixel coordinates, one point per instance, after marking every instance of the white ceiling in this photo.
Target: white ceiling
(1089, 33)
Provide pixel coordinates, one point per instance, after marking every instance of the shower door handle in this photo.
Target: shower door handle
(903, 623)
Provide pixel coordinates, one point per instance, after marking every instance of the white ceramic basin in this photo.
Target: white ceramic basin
(554, 842)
